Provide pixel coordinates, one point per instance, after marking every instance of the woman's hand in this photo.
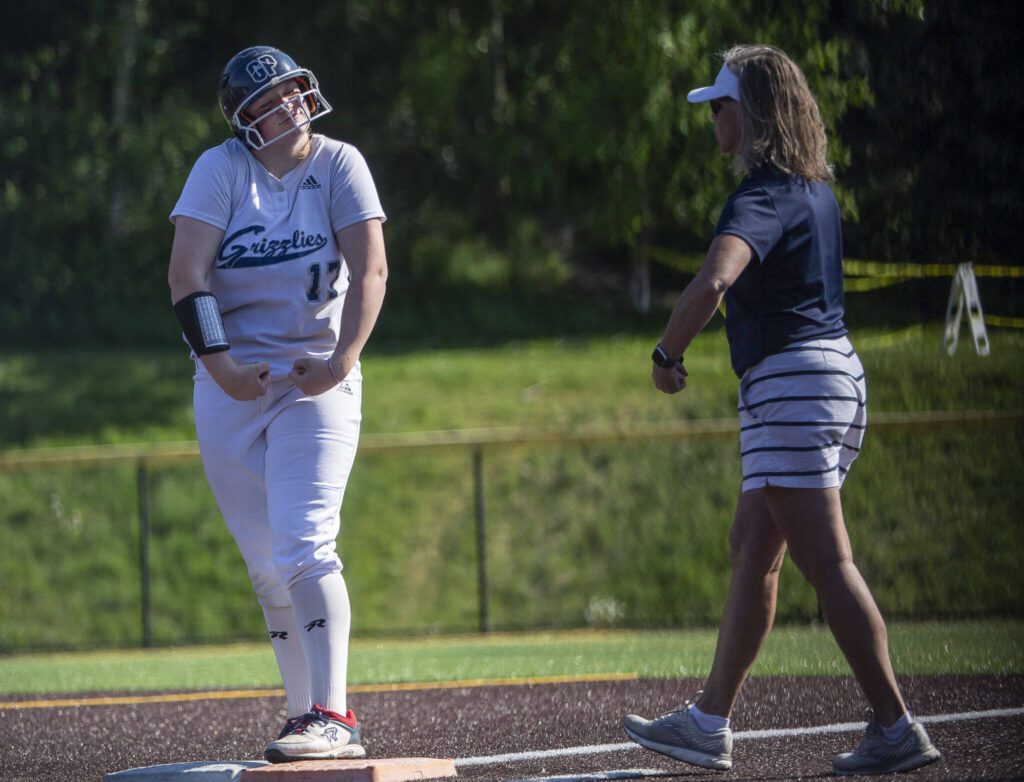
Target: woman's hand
(243, 382)
(670, 380)
(314, 376)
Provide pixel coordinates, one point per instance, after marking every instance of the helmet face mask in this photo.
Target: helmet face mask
(253, 72)
(249, 125)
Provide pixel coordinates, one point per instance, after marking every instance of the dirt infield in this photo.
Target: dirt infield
(475, 724)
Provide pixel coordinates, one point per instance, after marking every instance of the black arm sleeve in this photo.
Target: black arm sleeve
(199, 316)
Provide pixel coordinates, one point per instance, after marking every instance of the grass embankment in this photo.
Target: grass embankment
(920, 648)
(631, 534)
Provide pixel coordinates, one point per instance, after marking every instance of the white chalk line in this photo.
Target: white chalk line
(624, 773)
(597, 749)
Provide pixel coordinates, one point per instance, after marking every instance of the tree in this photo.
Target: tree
(936, 158)
(505, 137)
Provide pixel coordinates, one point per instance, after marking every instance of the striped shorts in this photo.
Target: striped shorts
(803, 412)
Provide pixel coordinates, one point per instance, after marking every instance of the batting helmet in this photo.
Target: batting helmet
(252, 72)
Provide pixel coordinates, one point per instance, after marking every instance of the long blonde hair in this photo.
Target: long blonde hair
(782, 125)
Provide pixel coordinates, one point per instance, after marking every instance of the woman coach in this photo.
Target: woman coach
(777, 259)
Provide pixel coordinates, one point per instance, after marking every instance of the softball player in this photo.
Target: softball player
(777, 259)
(277, 276)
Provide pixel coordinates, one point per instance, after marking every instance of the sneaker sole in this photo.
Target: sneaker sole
(714, 762)
(348, 751)
(901, 766)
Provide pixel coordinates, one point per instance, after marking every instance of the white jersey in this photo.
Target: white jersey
(279, 276)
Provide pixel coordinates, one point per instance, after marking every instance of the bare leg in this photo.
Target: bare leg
(812, 522)
(757, 548)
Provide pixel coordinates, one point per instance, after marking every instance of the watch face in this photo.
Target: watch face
(660, 357)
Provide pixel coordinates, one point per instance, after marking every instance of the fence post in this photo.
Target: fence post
(481, 538)
(142, 482)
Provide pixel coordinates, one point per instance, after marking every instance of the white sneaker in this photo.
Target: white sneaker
(875, 755)
(289, 725)
(318, 735)
(676, 734)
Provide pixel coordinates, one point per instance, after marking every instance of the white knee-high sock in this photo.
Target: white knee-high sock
(324, 616)
(291, 658)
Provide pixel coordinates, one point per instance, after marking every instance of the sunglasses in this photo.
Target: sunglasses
(716, 105)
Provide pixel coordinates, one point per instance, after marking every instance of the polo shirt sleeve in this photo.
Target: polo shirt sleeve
(353, 194)
(207, 192)
(751, 215)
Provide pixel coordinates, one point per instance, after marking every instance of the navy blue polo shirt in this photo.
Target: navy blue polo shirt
(792, 290)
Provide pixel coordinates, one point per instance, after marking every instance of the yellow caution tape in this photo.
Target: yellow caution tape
(911, 270)
(895, 272)
(902, 270)
(691, 262)
(1004, 322)
(864, 284)
(863, 276)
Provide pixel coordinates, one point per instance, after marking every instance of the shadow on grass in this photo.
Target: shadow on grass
(88, 395)
(85, 393)
(88, 392)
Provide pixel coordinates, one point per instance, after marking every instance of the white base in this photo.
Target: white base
(203, 771)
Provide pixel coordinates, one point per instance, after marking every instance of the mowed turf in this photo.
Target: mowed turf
(61, 398)
(933, 514)
(989, 647)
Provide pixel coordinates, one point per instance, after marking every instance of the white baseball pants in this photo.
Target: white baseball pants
(278, 467)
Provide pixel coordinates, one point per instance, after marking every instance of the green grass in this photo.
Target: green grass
(934, 516)
(68, 398)
(927, 648)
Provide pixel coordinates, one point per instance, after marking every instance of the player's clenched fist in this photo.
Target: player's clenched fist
(313, 376)
(243, 382)
(246, 381)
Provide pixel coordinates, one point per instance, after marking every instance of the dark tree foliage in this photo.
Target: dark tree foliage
(516, 145)
(936, 158)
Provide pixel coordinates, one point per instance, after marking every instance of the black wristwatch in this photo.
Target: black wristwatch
(663, 359)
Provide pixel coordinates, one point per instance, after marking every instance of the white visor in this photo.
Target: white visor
(726, 85)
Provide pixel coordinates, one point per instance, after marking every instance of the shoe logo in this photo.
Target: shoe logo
(316, 623)
(331, 733)
(282, 634)
(309, 183)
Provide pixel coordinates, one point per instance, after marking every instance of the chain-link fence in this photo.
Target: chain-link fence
(503, 529)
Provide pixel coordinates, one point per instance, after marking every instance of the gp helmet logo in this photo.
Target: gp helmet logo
(262, 68)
